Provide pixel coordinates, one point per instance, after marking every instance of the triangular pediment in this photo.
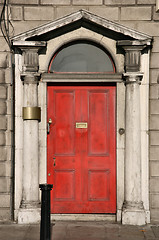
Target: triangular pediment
(82, 18)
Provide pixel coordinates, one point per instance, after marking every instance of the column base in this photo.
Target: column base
(133, 214)
(29, 216)
(134, 217)
(30, 204)
(29, 212)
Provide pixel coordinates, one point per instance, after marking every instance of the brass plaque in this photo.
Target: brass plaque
(81, 125)
(32, 113)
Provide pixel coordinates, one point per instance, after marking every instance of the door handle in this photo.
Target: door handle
(48, 125)
(54, 161)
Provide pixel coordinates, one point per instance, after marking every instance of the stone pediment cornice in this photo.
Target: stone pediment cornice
(82, 18)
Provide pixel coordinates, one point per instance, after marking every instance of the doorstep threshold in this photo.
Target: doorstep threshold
(83, 217)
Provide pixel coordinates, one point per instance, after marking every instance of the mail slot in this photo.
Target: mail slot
(81, 125)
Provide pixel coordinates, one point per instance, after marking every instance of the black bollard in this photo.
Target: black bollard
(45, 225)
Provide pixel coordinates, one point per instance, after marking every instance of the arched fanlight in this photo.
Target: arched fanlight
(82, 57)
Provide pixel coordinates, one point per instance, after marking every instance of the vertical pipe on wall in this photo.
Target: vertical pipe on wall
(12, 136)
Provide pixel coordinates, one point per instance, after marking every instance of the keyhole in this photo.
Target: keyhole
(54, 161)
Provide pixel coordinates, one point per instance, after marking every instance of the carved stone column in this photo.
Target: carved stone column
(133, 211)
(30, 208)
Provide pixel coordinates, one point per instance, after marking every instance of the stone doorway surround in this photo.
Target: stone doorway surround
(130, 51)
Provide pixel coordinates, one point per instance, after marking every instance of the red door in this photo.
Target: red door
(81, 149)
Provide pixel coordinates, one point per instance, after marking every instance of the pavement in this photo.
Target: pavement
(72, 230)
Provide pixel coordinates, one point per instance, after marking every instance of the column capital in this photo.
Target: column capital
(132, 52)
(30, 51)
(30, 66)
(30, 60)
(132, 77)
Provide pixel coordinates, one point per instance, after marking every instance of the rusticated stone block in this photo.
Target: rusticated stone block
(154, 185)
(16, 13)
(154, 63)
(154, 200)
(3, 123)
(87, 2)
(3, 60)
(136, 13)
(9, 107)
(154, 75)
(3, 92)
(4, 184)
(154, 138)
(154, 106)
(5, 214)
(2, 169)
(155, 14)
(57, 2)
(154, 91)
(24, 2)
(154, 153)
(19, 26)
(119, 2)
(146, 2)
(9, 92)
(63, 11)
(3, 107)
(8, 138)
(2, 138)
(9, 155)
(5, 168)
(154, 215)
(151, 28)
(8, 75)
(2, 76)
(154, 169)
(4, 200)
(38, 13)
(3, 45)
(9, 122)
(154, 122)
(155, 45)
(111, 13)
(3, 153)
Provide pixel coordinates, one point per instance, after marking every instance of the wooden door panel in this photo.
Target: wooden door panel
(97, 178)
(84, 176)
(65, 180)
(63, 158)
(98, 122)
(64, 102)
(99, 158)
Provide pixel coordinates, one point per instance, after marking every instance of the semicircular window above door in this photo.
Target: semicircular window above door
(82, 57)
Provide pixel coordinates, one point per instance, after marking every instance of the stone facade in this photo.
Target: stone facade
(139, 15)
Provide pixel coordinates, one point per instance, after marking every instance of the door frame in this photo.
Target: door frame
(120, 124)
